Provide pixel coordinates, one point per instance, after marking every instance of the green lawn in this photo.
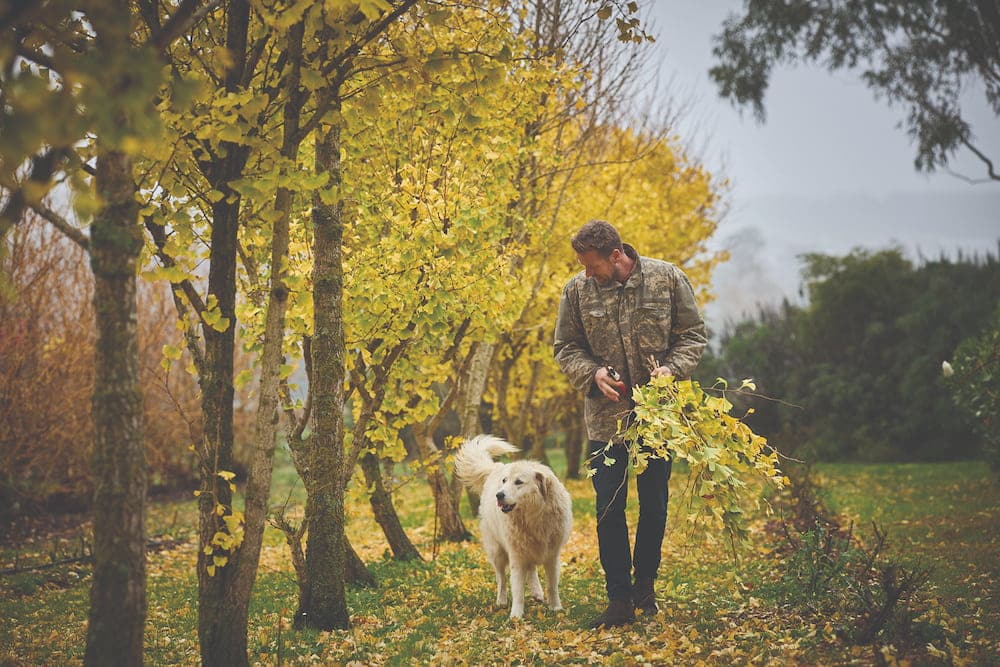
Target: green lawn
(945, 517)
(713, 611)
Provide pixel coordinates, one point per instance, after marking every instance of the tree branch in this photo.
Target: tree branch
(160, 238)
(60, 223)
(43, 166)
(339, 64)
(982, 156)
(36, 57)
(186, 15)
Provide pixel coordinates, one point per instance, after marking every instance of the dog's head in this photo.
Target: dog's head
(521, 483)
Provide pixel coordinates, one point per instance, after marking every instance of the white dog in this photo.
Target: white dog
(525, 515)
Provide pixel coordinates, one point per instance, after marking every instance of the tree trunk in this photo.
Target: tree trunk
(118, 591)
(445, 506)
(506, 420)
(358, 573)
(531, 442)
(221, 625)
(385, 512)
(469, 414)
(474, 387)
(218, 644)
(258, 486)
(233, 631)
(325, 606)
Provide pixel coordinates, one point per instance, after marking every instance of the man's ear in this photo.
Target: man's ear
(543, 484)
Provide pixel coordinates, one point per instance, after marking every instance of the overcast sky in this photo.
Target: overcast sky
(827, 172)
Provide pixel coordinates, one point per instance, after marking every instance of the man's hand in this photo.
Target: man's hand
(611, 388)
(661, 370)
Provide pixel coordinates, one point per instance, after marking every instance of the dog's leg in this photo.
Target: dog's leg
(518, 574)
(552, 582)
(535, 586)
(499, 561)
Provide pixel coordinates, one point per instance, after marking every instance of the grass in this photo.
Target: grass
(945, 517)
(442, 612)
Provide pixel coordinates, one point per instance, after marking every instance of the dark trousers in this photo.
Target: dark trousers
(611, 486)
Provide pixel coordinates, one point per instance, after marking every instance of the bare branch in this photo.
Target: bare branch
(982, 156)
(43, 166)
(60, 223)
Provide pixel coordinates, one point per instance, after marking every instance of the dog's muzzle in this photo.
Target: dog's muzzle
(505, 507)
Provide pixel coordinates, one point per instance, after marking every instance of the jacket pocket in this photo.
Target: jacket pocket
(597, 327)
(653, 322)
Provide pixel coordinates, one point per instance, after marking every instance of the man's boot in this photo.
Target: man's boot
(618, 613)
(643, 596)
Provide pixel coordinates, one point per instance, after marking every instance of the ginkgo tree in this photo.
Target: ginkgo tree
(371, 186)
(78, 88)
(663, 203)
(273, 85)
(468, 160)
(593, 75)
(193, 216)
(427, 178)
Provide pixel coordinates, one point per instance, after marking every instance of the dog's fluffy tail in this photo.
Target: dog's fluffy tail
(474, 460)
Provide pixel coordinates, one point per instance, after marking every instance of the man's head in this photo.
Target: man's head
(599, 249)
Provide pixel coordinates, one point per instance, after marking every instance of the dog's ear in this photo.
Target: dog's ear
(543, 484)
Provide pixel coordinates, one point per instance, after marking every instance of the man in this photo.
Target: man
(618, 313)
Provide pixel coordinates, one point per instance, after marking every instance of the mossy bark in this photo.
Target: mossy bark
(325, 605)
(118, 592)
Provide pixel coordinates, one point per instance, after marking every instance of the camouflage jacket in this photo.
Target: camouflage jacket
(653, 314)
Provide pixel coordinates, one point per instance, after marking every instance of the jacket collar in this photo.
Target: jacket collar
(633, 281)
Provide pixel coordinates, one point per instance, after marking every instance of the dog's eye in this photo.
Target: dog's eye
(518, 482)
(504, 480)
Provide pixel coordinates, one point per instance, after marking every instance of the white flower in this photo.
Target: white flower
(946, 369)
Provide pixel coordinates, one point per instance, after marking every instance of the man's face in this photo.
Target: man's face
(597, 266)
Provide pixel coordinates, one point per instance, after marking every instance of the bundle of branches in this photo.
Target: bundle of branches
(679, 420)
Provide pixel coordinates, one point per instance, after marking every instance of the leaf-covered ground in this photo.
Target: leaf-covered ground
(440, 611)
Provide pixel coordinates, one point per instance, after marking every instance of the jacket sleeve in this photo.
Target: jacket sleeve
(687, 334)
(571, 348)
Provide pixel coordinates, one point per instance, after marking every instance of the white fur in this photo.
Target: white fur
(532, 534)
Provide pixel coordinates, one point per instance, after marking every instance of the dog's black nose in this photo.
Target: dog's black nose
(500, 495)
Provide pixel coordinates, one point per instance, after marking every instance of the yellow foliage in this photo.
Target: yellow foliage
(677, 419)
(664, 205)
